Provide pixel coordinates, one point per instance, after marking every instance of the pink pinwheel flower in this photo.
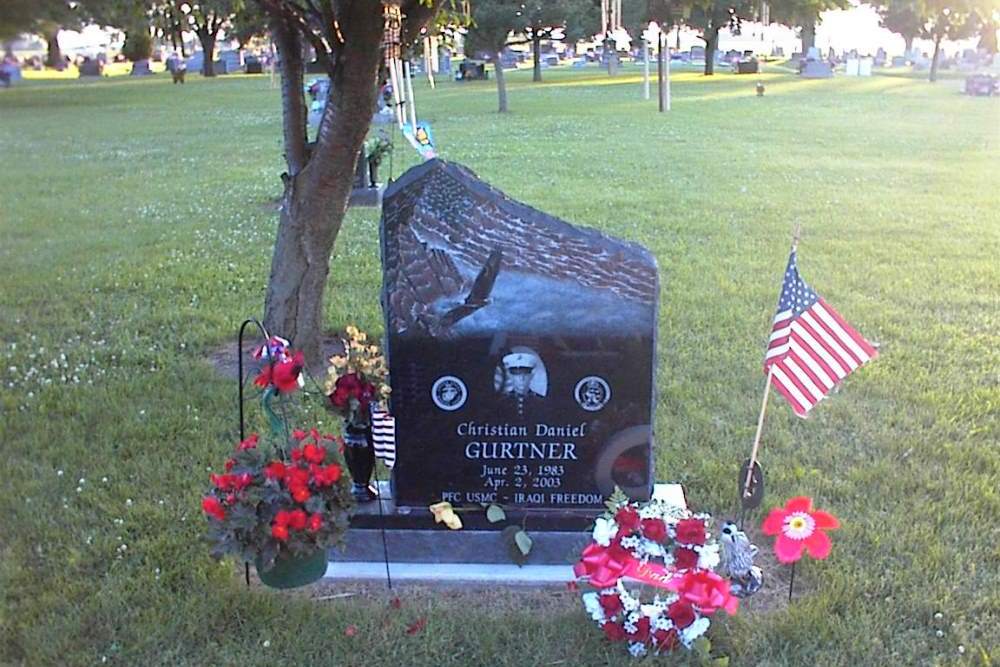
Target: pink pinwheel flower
(799, 527)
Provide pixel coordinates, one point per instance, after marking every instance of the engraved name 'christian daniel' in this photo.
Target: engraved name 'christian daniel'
(517, 450)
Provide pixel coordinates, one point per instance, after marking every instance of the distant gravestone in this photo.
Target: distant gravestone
(230, 61)
(520, 348)
(141, 68)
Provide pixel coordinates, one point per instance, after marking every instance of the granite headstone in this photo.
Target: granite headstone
(521, 349)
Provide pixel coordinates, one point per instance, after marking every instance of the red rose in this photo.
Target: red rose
(681, 613)
(274, 470)
(691, 531)
(297, 519)
(300, 493)
(314, 453)
(627, 519)
(654, 529)
(665, 640)
(339, 398)
(349, 382)
(685, 559)
(611, 604)
(281, 518)
(211, 506)
(315, 523)
(279, 532)
(613, 631)
(641, 633)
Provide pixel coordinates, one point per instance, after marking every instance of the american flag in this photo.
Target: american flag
(384, 436)
(812, 348)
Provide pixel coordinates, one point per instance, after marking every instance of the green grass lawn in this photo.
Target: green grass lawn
(136, 223)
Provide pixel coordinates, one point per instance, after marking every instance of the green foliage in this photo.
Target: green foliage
(138, 44)
(903, 17)
(140, 273)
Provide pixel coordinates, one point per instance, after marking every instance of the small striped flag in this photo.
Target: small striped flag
(384, 436)
(812, 348)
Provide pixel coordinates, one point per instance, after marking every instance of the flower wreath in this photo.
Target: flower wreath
(662, 545)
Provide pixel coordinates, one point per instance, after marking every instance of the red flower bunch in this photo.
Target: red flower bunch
(705, 591)
(291, 497)
(285, 374)
(799, 528)
(352, 394)
(356, 378)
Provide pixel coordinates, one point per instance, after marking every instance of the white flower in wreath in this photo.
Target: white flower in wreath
(651, 610)
(662, 623)
(695, 630)
(637, 649)
(629, 603)
(631, 542)
(604, 531)
(651, 549)
(708, 556)
(592, 603)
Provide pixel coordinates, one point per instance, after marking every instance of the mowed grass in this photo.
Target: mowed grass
(136, 224)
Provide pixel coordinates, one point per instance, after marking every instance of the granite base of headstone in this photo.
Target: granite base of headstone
(362, 194)
(90, 67)
(816, 69)
(141, 68)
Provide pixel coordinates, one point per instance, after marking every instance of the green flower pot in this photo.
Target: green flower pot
(293, 571)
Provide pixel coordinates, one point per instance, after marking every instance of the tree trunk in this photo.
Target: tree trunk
(501, 84)
(536, 49)
(8, 49)
(711, 43)
(54, 57)
(207, 40)
(315, 198)
(934, 58)
(808, 36)
(909, 44)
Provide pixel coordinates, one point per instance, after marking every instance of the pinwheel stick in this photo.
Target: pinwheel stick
(791, 583)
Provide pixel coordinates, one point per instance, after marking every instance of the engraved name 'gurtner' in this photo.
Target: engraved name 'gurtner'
(520, 449)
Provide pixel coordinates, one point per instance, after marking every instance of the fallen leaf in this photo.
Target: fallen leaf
(351, 630)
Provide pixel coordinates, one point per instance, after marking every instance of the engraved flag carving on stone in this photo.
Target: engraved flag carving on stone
(812, 348)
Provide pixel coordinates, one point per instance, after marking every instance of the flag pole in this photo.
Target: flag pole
(796, 235)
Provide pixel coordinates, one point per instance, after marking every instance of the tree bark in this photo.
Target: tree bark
(536, 50)
(294, 113)
(501, 84)
(315, 198)
(54, 57)
(934, 58)
(207, 39)
(711, 44)
(808, 36)
(909, 44)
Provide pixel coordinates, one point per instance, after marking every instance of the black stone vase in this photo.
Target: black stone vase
(359, 452)
(372, 174)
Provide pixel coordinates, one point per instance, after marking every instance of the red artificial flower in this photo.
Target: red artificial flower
(298, 434)
(249, 443)
(282, 518)
(681, 613)
(314, 453)
(611, 603)
(314, 523)
(799, 528)
(691, 531)
(296, 454)
(416, 626)
(242, 481)
(706, 591)
(654, 529)
(295, 476)
(627, 519)
(279, 532)
(641, 633)
(613, 631)
(211, 506)
(221, 482)
(665, 640)
(297, 519)
(300, 493)
(274, 470)
(230, 463)
(685, 559)
(286, 374)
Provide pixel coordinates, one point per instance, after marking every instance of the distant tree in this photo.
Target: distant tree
(248, 23)
(347, 38)
(804, 15)
(988, 32)
(45, 17)
(133, 17)
(206, 19)
(538, 20)
(709, 17)
(903, 17)
(951, 19)
(492, 23)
